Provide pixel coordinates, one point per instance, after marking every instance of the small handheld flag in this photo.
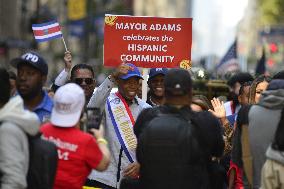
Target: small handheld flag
(48, 31)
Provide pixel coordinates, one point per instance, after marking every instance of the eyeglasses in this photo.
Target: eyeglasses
(88, 81)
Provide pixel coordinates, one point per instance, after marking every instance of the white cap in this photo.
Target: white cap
(68, 104)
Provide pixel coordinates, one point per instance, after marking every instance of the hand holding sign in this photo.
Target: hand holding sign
(149, 42)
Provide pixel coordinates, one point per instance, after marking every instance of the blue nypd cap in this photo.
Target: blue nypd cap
(156, 71)
(132, 73)
(32, 59)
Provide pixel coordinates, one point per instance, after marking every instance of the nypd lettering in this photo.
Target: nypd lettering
(30, 57)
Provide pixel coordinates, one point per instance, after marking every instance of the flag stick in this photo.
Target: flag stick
(64, 44)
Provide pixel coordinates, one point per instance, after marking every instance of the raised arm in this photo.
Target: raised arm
(101, 93)
(62, 78)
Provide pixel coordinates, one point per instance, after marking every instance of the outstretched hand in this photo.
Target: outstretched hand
(218, 108)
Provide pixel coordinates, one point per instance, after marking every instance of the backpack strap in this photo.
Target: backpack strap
(188, 115)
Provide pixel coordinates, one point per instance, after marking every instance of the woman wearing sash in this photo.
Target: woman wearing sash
(121, 110)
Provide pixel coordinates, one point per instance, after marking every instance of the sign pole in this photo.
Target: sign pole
(144, 84)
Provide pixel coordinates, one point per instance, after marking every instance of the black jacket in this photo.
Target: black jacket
(199, 143)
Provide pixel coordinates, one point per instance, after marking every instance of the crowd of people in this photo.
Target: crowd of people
(175, 139)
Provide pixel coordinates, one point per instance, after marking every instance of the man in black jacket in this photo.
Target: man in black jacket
(202, 140)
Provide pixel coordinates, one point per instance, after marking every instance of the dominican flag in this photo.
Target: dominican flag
(229, 63)
(46, 31)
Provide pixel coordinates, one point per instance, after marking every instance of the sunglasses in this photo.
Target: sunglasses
(88, 81)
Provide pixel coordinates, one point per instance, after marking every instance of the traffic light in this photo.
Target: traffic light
(270, 62)
(273, 47)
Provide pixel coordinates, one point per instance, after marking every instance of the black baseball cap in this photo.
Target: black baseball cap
(32, 59)
(241, 77)
(178, 81)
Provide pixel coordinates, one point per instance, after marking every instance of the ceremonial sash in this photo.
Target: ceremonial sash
(123, 122)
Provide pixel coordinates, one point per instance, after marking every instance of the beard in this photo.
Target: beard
(28, 96)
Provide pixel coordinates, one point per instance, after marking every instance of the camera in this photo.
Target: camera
(94, 118)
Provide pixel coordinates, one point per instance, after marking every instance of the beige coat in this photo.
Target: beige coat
(272, 175)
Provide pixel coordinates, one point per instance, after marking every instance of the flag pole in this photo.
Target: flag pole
(64, 43)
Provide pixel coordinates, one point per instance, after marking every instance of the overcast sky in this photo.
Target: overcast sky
(214, 25)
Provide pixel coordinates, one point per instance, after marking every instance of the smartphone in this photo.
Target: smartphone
(94, 118)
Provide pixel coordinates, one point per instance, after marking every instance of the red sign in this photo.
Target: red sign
(148, 42)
